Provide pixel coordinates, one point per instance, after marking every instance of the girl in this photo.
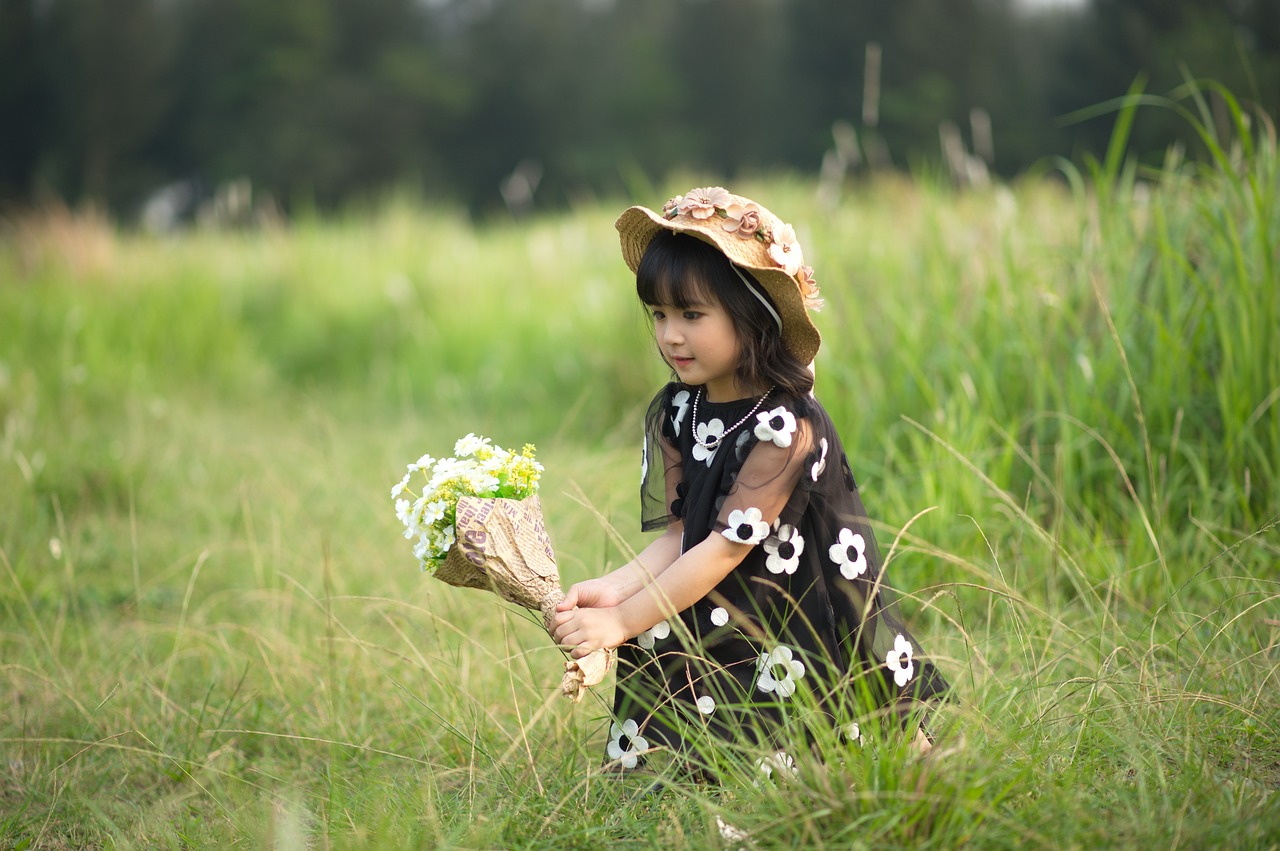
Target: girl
(760, 607)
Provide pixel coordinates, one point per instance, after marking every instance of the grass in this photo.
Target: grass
(1061, 404)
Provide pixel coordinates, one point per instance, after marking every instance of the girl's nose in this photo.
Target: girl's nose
(671, 333)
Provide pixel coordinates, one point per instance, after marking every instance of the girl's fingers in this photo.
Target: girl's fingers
(570, 600)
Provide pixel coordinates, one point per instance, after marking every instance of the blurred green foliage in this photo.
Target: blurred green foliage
(324, 103)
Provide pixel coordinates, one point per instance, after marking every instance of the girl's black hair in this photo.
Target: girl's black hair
(680, 270)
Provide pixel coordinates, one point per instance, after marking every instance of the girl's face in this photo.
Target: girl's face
(701, 345)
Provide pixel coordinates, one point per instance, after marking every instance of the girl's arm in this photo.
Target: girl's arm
(688, 579)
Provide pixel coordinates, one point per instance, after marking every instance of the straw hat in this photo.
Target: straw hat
(752, 238)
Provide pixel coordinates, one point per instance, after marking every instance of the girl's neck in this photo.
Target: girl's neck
(732, 392)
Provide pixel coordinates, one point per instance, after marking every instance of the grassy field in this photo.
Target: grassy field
(1061, 399)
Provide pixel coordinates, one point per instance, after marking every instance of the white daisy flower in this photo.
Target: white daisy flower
(706, 704)
(899, 661)
(704, 433)
(779, 671)
(849, 553)
(777, 425)
(400, 486)
(680, 402)
(821, 464)
(626, 743)
(469, 445)
(433, 511)
(719, 616)
(746, 527)
(653, 634)
(784, 550)
(404, 511)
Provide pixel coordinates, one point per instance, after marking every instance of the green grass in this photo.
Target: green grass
(1061, 399)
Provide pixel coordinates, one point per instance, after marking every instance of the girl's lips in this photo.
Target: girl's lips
(681, 361)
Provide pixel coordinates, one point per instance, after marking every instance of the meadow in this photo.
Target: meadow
(1061, 398)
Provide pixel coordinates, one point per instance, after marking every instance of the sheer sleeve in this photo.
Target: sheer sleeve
(661, 468)
(770, 485)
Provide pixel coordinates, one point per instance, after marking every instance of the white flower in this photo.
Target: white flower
(423, 463)
(706, 704)
(784, 550)
(779, 671)
(400, 486)
(680, 402)
(434, 511)
(785, 250)
(746, 527)
(777, 425)
(719, 616)
(701, 203)
(469, 445)
(480, 481)
(404, 511)
(657, 632)
(704, 433)
(850, 553)
(821, 464)
(854, 733)
(626, 743)
(780, 762)
(899, 661)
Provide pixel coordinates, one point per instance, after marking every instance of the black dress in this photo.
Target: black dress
(803, 631)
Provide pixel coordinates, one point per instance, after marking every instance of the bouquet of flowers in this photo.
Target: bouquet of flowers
(476, 522)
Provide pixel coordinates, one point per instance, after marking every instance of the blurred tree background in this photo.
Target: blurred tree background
(486, 103)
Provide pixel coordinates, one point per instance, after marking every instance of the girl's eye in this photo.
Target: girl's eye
(691, 315)
(658, 314)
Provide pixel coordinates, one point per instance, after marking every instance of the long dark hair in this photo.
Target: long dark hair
(680, 270)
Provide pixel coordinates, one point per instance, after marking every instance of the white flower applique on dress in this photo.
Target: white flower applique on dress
(709, 432)
(644, 461)
(746, 527)
(850, 554)
(653, 634)
(680, 402)
(899, 661)
(626, 743)
(719, 616)
(776, 426)
(779, 671)
(783, 550)
(821, 464)
(779, 762)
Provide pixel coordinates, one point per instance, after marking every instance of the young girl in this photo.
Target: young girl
(761, 606)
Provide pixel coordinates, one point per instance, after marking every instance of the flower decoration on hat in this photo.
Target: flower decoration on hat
(747, 221)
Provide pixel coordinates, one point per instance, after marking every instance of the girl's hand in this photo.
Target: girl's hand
(592, 594)
(586, 630)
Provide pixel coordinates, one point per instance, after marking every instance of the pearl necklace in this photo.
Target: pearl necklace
(714, 441)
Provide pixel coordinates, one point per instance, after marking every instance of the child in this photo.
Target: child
(763, 596)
